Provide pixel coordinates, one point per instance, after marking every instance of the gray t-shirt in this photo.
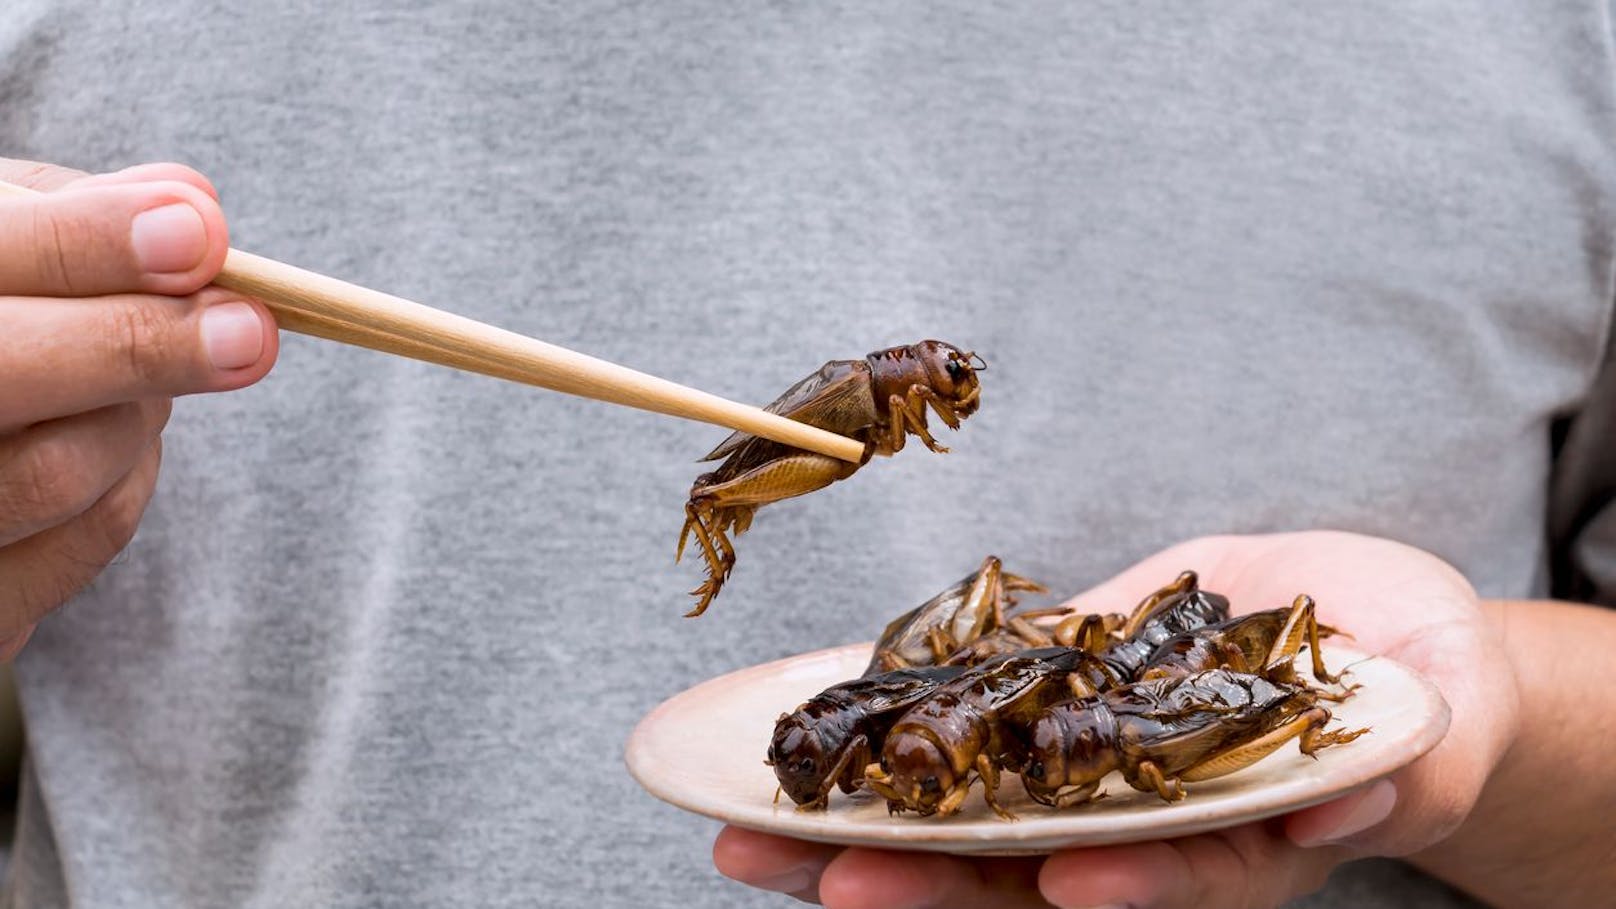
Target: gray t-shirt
(1234, 267)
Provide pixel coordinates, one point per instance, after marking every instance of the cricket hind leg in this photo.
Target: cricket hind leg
(715, 510)
(707, 523)
(1314, 737)
(1301, 624)
(1308, 726)
(710, 526)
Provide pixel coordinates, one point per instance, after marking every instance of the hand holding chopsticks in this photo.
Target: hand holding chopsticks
(325, 307)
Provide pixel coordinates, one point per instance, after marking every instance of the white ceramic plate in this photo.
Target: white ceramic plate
(703, 751)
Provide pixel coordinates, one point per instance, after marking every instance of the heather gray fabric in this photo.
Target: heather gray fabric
(1235, 267)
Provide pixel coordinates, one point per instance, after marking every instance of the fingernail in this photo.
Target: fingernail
(169, 239)
(1375, 806)
(232, 334)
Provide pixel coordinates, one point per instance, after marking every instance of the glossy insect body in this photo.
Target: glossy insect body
(959, 616)
(878, 400)
(1164, 732)
(1175, 609)
(969, 725)
(1264, 642)
(828, 741)
(1023, 631)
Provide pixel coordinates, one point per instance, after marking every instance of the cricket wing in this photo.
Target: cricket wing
(836, 397)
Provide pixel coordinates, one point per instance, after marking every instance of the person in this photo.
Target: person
(1326, 293)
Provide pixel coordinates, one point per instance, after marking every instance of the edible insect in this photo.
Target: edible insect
(1177, 608)
(878, 400)
(965, 730)
(935, 630)
(1165, 732)
(1265, 643)
(828, 741)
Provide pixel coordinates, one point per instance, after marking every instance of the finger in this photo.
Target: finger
(880, 879)
(166, 238)
(69, 356)
(37, 175)
(46, 178)
(54, 471)
(42, 572)
(1246, 867)
(148, 173)
(772, 862)
(12, 644)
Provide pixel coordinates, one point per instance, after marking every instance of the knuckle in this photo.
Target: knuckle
(116, 516)
(13, 641)
(48, 580)
(1234, 868)
(1311, 878)
(59, 581)
(158, 410)
(139, 336)
(43, 481)
(53, 236)
(115, 521)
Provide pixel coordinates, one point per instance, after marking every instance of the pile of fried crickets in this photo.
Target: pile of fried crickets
(962, 689)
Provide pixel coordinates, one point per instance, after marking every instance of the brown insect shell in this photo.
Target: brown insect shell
(1072, 744)
(1185, 654)
(825, 729)
(1174, 616)
(803, 736)
(1176, 723)
(894, 370)
(1209, 647)
(906, 635)
(940, 737)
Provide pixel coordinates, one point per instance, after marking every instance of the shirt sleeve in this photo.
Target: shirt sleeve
(1582, 499)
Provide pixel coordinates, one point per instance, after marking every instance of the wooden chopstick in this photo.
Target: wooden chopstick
(324, 307)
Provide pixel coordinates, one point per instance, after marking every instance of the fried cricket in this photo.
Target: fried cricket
(878, 400)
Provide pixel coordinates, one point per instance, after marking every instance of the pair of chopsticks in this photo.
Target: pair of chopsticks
(324, 307)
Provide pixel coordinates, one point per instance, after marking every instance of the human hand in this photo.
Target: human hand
(103, 320)
(1395, 600)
